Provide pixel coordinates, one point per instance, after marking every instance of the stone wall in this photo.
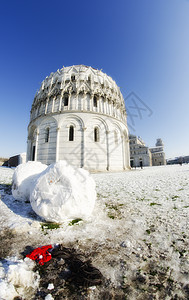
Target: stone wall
(109, 152)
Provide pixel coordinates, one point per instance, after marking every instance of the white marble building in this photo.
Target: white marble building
(158, 154)
(143, 156)
(140, 155)
(79, 115)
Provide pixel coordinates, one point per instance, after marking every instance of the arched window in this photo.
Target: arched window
(47, 135)
(71, 133)
(95, 101)
(33, 153)
(66, 100)
(116, 137)
(96, 134)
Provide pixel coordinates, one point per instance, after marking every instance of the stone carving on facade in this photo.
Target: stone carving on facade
(84, 88)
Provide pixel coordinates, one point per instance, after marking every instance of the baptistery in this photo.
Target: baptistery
(79, 115)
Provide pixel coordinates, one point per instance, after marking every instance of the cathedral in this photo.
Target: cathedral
(143, 156)
(79, 115)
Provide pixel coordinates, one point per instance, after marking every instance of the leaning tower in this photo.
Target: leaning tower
(79, 115)
(159, 143)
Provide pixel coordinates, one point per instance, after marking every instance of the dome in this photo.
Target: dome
(76, 80)
(79, 115)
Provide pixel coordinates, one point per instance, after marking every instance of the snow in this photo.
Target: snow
(23, 177)
(62, 192)
(17, 278)
(49, 297)
(50, 286)
(139, 225)
(6, 175)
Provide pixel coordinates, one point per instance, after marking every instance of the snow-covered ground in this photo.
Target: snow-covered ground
(137, 236)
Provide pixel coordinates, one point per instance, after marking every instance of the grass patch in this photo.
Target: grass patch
(140, 199)
(111, 217)
(113, 206)
(181, 252)
(49, 226)
(154, 203)
(114, 210)
(174, 197)
(99, 195)
(148, 231)
(75, 221)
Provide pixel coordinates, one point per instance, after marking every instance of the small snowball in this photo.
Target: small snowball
(128, 243)
(50, 286)
(63, 192)
(92, 287)
(23, 178)
(49, 297)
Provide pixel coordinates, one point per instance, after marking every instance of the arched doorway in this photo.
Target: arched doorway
(132, 162)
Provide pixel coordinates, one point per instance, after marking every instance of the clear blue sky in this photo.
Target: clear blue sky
(142, 44)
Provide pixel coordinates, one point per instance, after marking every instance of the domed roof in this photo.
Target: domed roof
(72, 82)
(79, 78)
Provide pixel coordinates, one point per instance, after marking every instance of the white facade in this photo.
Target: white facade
(158, 155)
(79, 115)
(140, 154)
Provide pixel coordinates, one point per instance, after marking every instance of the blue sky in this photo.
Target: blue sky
(142, 44)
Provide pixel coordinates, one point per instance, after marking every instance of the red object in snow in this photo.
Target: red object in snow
(41, 254)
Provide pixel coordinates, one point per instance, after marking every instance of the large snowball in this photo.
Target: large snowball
(23, 178)
(63, 192)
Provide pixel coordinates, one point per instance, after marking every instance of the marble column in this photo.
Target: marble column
(57, 143)
(53, 104)
(60, 102)
(82, 100)
(107, 110)
(85, 101)
(46, 105)
(91, 102)
(83, 148)
(77, 102)
(101, 105)
(69, 100)
(36, 143)
(105, 106)
(108, 150)
(98, 105)
(123, 151)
